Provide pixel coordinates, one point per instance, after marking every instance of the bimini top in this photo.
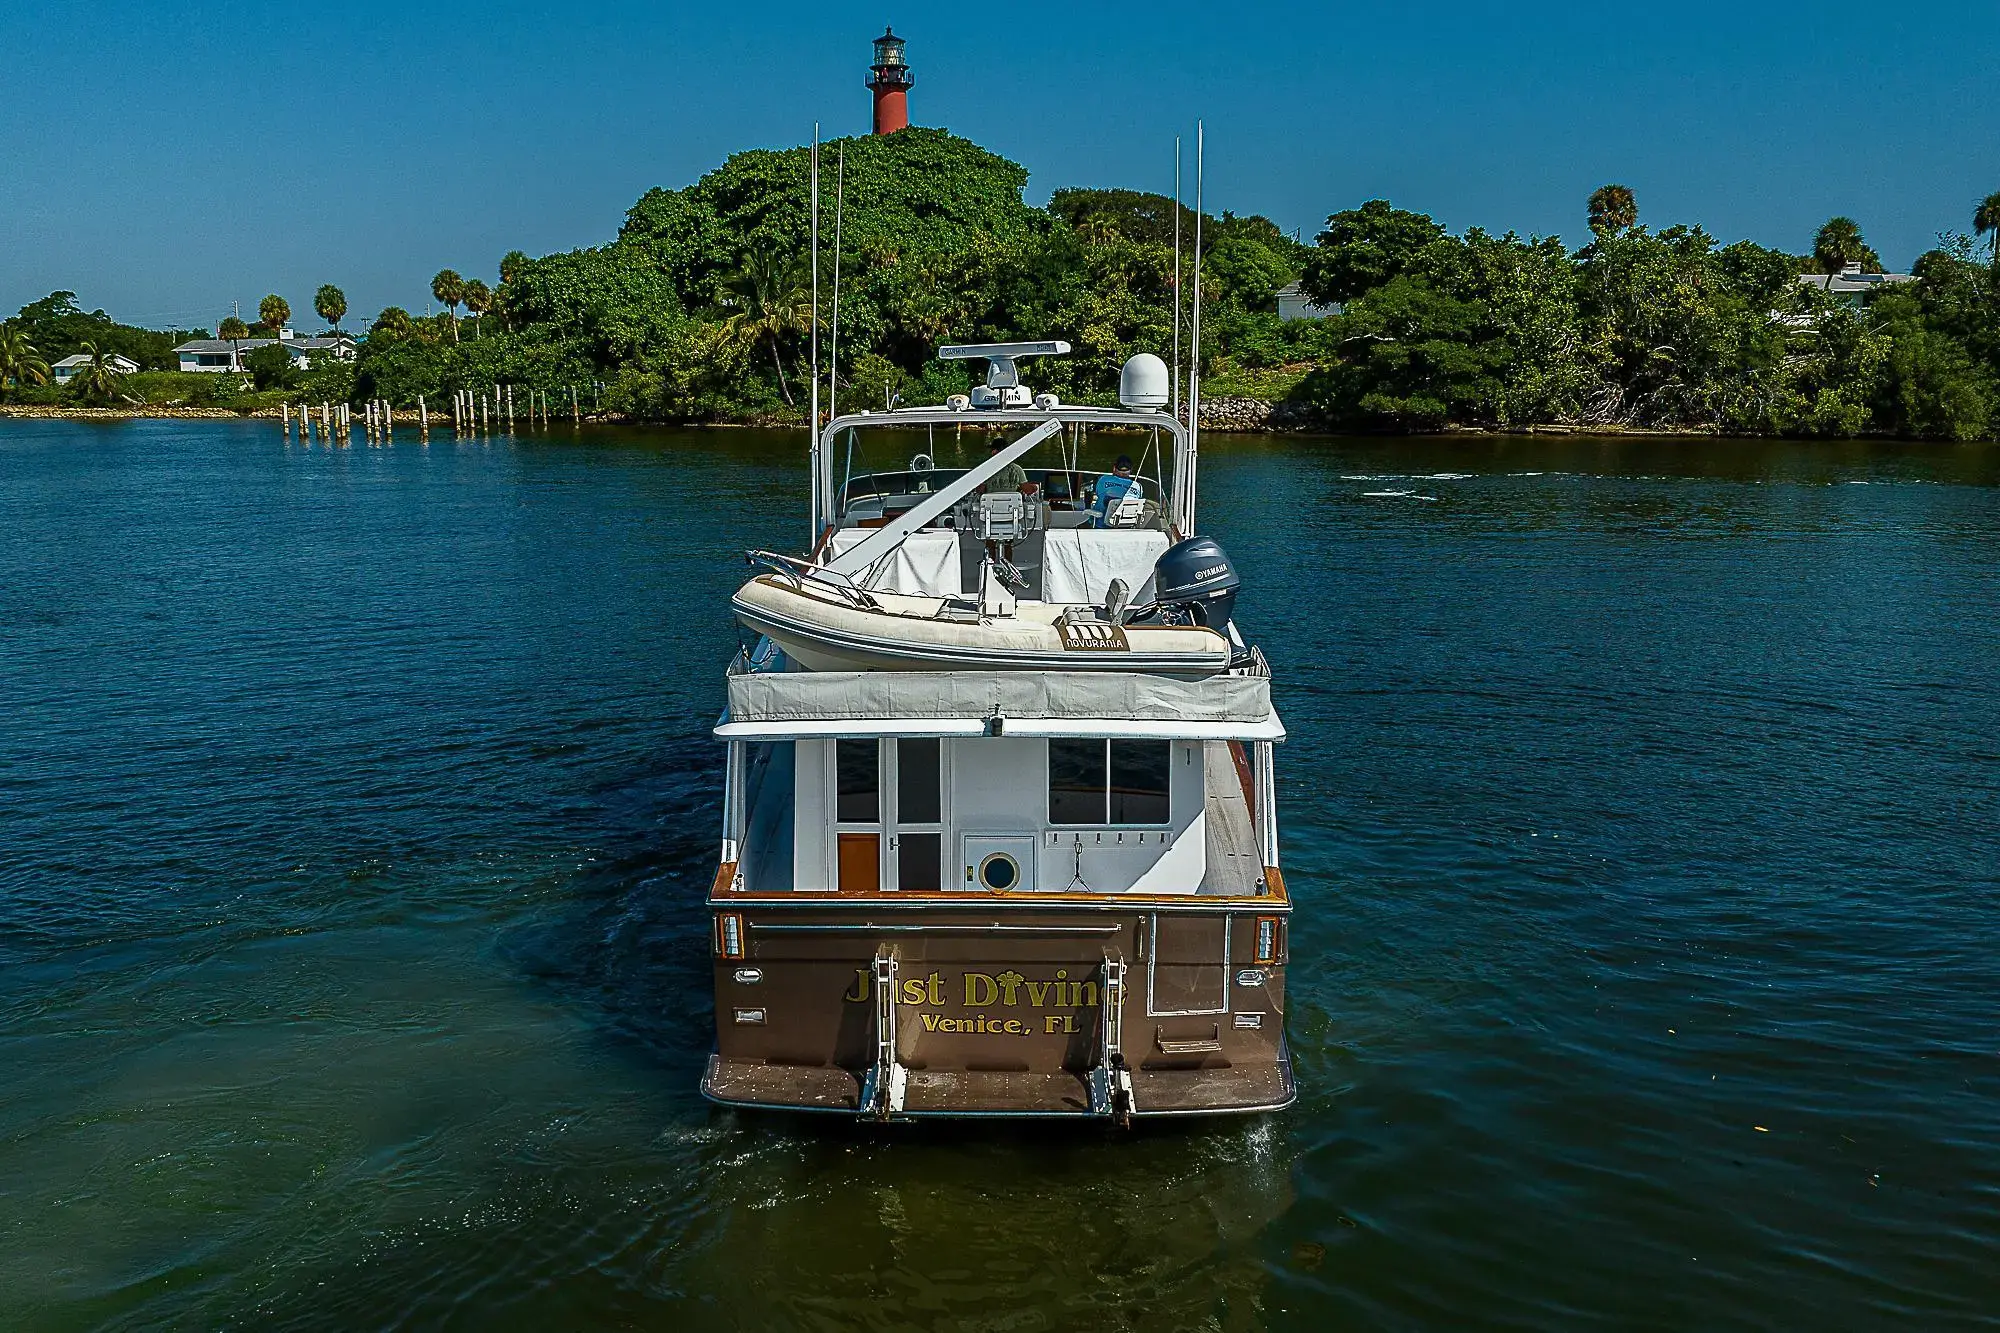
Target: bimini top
(794, 705)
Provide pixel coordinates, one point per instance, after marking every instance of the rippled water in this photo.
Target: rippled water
(1642, 805)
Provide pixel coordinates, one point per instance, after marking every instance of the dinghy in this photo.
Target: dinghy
(824, 626)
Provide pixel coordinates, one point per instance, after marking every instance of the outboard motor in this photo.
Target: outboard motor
(1195, 579)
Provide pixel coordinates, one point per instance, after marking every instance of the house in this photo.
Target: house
(1293, 303)
(1851, 286)
(216, 355)
(64, 370)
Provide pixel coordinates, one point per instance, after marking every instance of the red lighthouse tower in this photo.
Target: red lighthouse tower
(890, 78)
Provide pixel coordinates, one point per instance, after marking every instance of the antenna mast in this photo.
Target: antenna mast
(833, 356)
(818, 500)
(1177, 277)
(1194, 356)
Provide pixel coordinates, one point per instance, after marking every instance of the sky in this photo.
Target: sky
(166, 161)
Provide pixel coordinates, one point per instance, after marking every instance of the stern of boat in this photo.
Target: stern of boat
(1062, 1010)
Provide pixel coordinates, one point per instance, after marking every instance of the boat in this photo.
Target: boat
(999, 816)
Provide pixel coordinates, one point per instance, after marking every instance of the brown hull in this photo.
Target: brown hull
(1001, 1007)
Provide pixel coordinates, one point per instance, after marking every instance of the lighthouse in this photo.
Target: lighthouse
(890, 79)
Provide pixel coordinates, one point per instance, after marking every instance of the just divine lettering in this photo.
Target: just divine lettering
(981, 990)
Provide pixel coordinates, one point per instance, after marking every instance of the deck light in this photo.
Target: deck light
(1267, 940)
(729, 935)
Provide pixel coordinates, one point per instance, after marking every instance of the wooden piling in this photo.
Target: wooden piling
(423, 420)
(575, 412)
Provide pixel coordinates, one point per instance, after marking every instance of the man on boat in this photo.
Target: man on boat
(1112, 489)
(1011, 479)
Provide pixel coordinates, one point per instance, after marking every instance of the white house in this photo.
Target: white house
(68, 367)
(1851, 286)
(216, 355)
(1293, 303)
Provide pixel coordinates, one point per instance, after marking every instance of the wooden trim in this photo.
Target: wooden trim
(725, 875)
(1276, 879)
(983, 901)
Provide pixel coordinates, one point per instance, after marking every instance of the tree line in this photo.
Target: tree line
(698, 309)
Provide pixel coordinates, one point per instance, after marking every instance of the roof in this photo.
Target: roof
(252, 344)
(81, 359)
(1841, 283)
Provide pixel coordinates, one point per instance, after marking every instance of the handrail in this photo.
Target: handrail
(804, 571)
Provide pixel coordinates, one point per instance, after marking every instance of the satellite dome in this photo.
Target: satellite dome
(1143, 383)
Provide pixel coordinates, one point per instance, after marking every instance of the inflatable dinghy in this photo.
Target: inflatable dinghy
(826, 627)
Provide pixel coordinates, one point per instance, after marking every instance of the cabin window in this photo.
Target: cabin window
(917, 786)
(858, 790)
(919, 802)
(1109, 782)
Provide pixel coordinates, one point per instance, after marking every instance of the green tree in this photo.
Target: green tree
(274, 312)
(330, 303)
(1365, 247)
(394, 322)
(449, 289)
(59, 327)
(1613, 208)
(1986, 222)
(20, 363)
(97, 380)
(765, 304)
(235, 330)
(1413, 359)
(478, 300)
(1838, 243)
(272, 367)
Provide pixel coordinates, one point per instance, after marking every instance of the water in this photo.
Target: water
(356, 809)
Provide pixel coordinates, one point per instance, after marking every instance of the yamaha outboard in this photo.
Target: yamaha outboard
(1195, 579)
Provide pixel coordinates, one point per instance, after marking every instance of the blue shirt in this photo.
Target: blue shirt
(1111, 488)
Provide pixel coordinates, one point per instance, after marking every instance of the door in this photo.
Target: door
(1187, 964)
(889, 815)
(857, 816)
(917, 843)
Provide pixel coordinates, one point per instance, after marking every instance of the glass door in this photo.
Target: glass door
(917, 844)
(857, 816)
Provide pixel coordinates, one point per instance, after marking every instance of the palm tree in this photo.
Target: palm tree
(1839, 244)
(393, 322)
(1612, 209)
(97, 378)
(478, 300)
(511, 265)
(449, 289)
(1986, 218)
(765, 305)
(20, 363)
(234, 330)
(331, 304)
(274, 311)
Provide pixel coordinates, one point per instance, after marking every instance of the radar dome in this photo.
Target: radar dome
(1143, 383)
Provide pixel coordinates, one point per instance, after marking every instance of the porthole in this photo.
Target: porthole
(999, 872)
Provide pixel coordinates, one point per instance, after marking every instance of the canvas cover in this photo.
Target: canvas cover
(1078, 564)
(823, 696)
(924, 565)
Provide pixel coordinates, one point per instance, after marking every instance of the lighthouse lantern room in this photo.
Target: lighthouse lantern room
(890, 79)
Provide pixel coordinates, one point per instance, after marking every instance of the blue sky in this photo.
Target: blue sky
(163, 161)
